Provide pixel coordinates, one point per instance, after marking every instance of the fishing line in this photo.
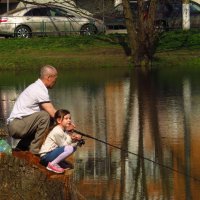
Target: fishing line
(124, 150)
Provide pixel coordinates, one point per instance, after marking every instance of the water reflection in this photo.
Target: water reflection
(155, 115)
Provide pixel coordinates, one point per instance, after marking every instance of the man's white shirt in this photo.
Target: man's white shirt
(28, 101)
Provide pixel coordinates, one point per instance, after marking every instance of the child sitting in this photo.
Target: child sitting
(59, 143)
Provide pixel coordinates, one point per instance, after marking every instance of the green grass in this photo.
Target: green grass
(93, 51)
(56, 43)
(179, 48)
(175, 40)
(71, 51)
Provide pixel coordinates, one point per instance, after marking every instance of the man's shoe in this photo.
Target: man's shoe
(55, 168)
(16, 149)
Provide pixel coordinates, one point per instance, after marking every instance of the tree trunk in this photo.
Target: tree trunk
(186, 14)
(141, 32)
(131, 28)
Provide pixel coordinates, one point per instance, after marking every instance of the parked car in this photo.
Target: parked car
(168, 16)
(172, 17)
(47, 20)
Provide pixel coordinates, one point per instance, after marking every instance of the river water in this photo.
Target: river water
(150, 121)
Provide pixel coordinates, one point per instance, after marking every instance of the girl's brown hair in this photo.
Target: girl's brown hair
(60, 114)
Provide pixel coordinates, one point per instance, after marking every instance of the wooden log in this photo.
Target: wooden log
(22, 177)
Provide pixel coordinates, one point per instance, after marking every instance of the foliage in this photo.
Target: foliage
(173, 40)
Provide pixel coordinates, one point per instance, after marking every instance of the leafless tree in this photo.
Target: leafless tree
(70, 4)
(98, 7)
(142, 34)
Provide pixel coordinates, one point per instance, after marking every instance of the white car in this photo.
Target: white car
(48, 20)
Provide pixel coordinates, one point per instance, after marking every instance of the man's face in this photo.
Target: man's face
(52, 79)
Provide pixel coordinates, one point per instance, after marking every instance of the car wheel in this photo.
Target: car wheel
(88, 29)
(22, 32)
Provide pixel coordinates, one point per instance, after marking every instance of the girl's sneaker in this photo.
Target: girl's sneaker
(55, 168)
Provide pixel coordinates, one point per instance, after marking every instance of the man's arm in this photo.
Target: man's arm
(49, 108)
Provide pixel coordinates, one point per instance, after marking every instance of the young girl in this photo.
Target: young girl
(59, 143)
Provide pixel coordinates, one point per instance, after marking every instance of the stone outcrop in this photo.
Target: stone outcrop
(22, 177)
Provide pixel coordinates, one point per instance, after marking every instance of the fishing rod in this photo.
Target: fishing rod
(140, 156)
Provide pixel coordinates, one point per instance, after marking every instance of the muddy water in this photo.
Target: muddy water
(153, 118)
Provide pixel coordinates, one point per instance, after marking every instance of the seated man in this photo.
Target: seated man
(32, 112)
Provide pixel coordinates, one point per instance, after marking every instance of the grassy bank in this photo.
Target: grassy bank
(66, 52)
(179, 48)
(93, 51)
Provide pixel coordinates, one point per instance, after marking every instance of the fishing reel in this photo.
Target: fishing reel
(81, 142)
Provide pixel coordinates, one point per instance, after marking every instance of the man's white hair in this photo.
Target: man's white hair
(47, 70)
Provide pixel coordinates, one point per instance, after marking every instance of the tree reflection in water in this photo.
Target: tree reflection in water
(143, 94)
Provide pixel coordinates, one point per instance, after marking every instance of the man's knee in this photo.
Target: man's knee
(45, 115)
(44, 118)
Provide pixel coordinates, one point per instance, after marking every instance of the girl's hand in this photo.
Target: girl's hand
(76, 136)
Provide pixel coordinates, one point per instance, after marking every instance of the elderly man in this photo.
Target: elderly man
(32, 111)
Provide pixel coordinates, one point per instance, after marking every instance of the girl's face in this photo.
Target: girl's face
(66, 122)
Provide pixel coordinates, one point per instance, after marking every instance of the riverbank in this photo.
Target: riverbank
(175, 48)
(31, 180)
